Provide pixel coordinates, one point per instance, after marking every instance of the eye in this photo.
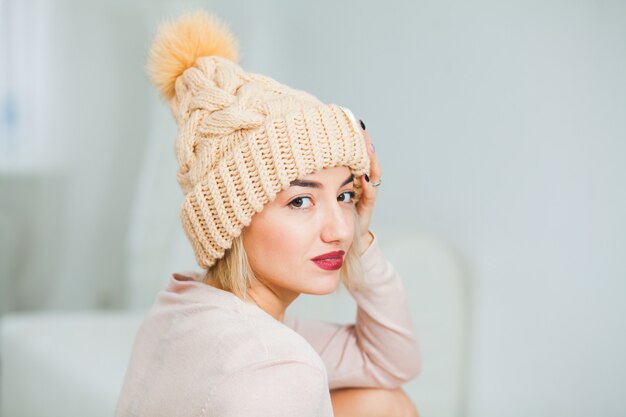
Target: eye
(350, 196)
(300, 203)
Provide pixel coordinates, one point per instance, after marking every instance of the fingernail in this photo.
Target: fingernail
(362, 124)
(367, 178)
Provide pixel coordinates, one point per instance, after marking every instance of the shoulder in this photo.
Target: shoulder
(271, 370)
(212, 323)
(264, 368)
(268, 341)
(196, 344)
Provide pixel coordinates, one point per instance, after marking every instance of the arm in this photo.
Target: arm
(274, 388)
(380, 349)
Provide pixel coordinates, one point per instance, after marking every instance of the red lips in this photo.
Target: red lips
(330, 261)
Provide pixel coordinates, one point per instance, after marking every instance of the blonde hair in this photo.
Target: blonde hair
(233, 272)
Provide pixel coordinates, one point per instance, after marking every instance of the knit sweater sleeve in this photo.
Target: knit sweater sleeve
(380, 349)
(279, 388)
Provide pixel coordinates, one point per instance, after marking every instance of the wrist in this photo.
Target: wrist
(366, 241)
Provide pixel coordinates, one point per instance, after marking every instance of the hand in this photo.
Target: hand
(365, 206)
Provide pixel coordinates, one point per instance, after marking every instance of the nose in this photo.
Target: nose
(337, 224)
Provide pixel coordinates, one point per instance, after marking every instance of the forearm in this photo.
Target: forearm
(384, 329)
(380, 350)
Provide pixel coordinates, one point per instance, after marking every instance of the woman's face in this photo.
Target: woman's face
(292, 243)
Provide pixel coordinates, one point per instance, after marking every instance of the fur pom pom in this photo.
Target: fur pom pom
(179, 44)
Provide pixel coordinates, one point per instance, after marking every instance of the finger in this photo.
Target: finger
(367, 199)
(369, 191)
(368, 196)
(365, 207)
(375, 168)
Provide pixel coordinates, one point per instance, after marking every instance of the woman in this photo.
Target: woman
(278, 202)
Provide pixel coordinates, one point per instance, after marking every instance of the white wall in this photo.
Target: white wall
(500, 126)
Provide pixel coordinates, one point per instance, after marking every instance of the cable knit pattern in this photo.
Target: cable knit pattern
(242, 138)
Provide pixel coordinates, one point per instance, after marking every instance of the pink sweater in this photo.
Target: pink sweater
(202, 351)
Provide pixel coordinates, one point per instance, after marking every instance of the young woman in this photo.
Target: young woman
(279, 193)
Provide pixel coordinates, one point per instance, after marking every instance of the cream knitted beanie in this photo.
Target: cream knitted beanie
(242, 137)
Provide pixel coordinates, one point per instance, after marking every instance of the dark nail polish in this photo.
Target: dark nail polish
(367, 178)
(362, 124)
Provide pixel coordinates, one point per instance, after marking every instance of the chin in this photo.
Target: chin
(324, 285)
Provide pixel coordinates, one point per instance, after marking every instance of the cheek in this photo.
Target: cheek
(275, 242)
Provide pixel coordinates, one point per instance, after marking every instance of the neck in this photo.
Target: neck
(274, 301)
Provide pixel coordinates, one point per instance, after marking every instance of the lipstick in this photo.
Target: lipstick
(329, 261)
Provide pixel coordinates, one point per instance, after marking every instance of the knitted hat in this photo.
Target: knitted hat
(242, 137)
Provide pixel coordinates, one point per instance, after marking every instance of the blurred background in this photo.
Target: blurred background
(501, 129)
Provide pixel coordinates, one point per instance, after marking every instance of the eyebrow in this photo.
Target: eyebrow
(315, 184)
